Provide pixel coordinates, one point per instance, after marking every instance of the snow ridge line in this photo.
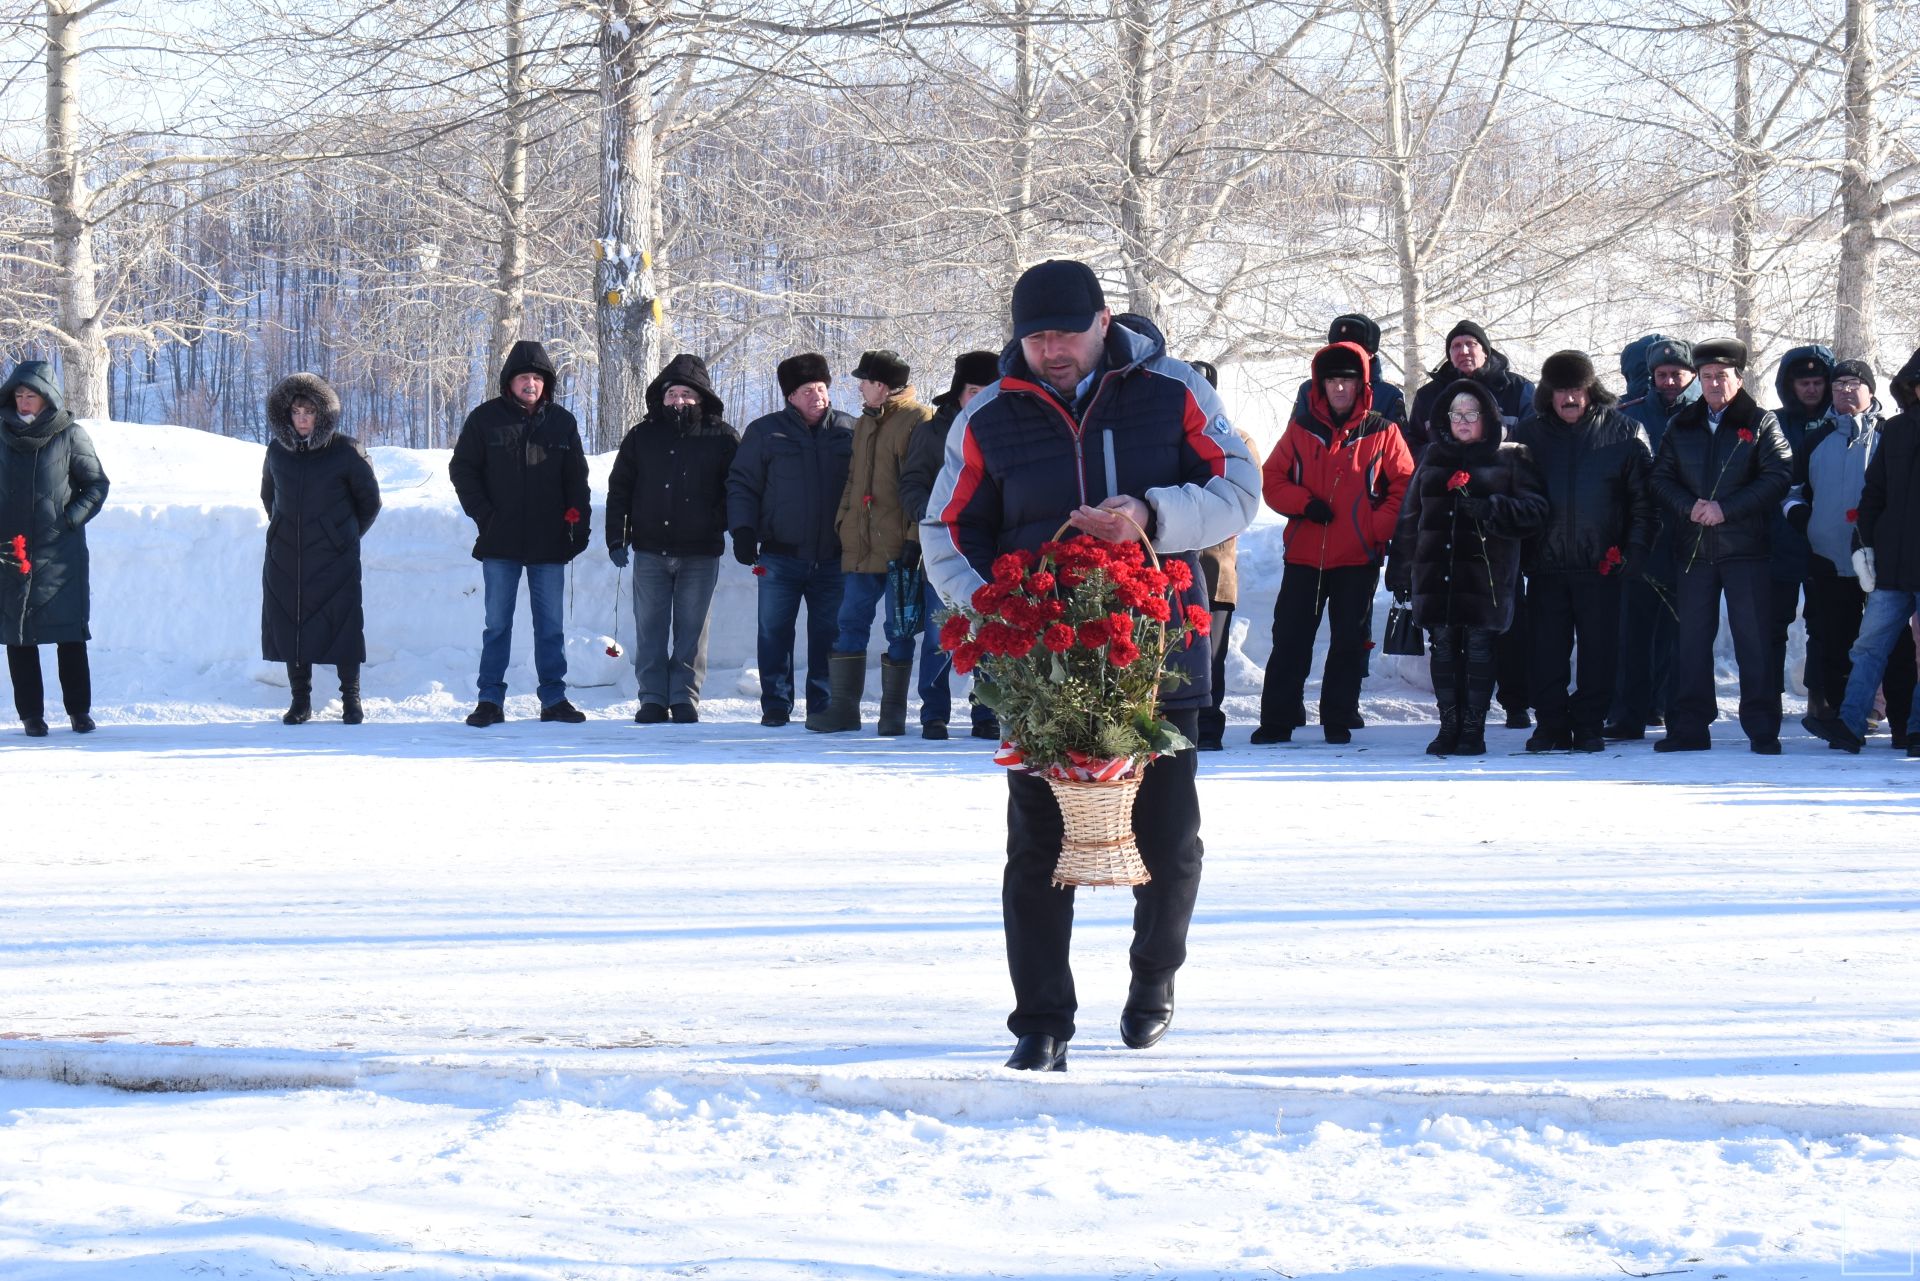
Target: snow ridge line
(1169, 1102)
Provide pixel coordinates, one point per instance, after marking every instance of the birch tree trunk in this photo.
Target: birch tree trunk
(1139, 196)
(82, 340)
(627, 301)
(1399, 175)
(1856, 297)
(1025, 111)
(1747, 163)
(510, 278)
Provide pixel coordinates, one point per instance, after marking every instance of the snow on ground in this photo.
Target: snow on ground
(611, 1001)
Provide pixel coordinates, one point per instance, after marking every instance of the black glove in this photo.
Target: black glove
(1319, 511)
(1634, 567)
(1799, 515)
(618, 555)
(746, 545)
(909, 556)
(1475, 506)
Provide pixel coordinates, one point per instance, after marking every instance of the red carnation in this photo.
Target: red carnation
(1121, 626)
(1009, 569)
(966, 657)
(1095, 633)
(953, 632)
(19, 546)
(1121, 653)
(613, 650)
(1155, 607)
(1179, 575)
(1199, 619)
(759, 571)
(1039, 584)
(573, 516)
(1459, 480)
(1022, 644)
(1745, 435)
(1853, 515)
(1611, 561)
(987, 597)
(1059, 638)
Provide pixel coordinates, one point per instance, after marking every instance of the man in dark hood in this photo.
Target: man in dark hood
(1471, 354)
(1388, 400)
(1804, 386)
(667, 502)
(521, 474)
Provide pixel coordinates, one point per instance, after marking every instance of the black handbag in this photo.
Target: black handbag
(1402, 637)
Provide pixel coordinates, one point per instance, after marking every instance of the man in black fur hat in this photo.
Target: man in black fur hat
(1600, 524)
(783, 493)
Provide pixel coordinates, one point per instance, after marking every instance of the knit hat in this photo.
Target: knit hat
(1856, 369)
(796, 372)
(1468, 329)
(1807, 366)
(1056, 294)
(1355, 328)
(1725, 351)
(883, 366)
(1567, 370)
(1670, 351)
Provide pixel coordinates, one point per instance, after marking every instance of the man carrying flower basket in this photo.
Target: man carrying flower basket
(1723, 467)
(1091, 428)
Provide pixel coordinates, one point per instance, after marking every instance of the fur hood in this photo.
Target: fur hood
(280, 411)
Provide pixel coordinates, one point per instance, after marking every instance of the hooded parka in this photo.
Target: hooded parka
(51, 485)
(518, 472)
(321, 498)
(667, 492)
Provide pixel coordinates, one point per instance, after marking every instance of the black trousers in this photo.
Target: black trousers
(1748, 589)
(1647, 628)
(300, 677)
(1513, 659)
(1784, 607)
(1345, 596)
(1461, 662)
(30, 691)
(1566, 608)
(1039, 917)
(1213, 721)
(1835, 604)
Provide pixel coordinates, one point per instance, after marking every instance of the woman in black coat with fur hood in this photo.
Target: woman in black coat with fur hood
(321, 498)
(1456, 551)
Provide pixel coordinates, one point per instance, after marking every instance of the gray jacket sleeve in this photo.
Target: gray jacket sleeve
(1220, 488)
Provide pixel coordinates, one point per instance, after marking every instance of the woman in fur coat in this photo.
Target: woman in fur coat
(1456, 551)
(321, 498)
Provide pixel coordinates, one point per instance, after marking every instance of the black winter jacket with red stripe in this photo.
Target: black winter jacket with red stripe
(1149, 427)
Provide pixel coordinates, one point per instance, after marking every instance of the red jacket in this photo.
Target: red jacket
(1359, 466)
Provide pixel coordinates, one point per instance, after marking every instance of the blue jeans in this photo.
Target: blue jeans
(788, 581)
(1886, 617)
(863, 593)
(936, 690)
(546, 585)
(671, 599)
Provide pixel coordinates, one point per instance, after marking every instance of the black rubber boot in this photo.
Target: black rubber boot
(895, 678)
(350, 709)
(846, 684)
(300, 680)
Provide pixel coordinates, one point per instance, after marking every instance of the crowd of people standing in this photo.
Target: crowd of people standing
(1563, 549)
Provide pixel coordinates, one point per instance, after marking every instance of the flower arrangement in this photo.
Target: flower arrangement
(1069, 649)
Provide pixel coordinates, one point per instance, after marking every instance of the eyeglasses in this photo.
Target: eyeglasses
(1464, 416)
(1848, 384)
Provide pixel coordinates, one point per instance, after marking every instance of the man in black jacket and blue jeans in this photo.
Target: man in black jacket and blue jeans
(521, 474)
(1094, 424)
(1599, 528)
(1723, 468)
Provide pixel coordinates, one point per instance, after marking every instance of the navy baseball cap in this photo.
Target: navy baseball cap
(1056, 294)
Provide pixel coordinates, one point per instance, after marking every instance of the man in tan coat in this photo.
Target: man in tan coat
(873, 526)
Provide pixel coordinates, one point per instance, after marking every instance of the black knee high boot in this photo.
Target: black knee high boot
(1481, 669)
(300, 681)
(350, 694)
(1444, 662)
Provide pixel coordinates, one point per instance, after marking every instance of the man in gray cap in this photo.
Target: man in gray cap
(1723, 468)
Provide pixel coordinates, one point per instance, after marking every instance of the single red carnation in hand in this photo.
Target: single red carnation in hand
(1199, 619)
(1179, 575)
(953, 632)
(1059, 638)
(1459, 480)
(1745, 435)
(759, 571)
(1853, 515)
(573, 516)
(613, 651)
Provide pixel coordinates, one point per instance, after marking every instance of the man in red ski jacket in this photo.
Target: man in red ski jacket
(1338, 475)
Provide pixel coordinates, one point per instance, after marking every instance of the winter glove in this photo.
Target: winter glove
(1399, 580)
(1634, 567)
(1799, 515)
(746, 545)
(1863, 568)
(1474, 506)
(1319, 511)
(618, 555)
(909, 556)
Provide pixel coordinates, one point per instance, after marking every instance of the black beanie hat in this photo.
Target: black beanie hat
(1722, 351)
(1207, 371)
(1670, 351)
(1567, 370)
(796, 372)
(883, 367)
(1469, 329)
(1355, 328)
(974, 369)
(1856, 369)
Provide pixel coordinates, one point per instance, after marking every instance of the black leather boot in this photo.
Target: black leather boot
(1038, 1053)
(894, 680)
(350, 710)
(1443, 661)
(1148, 1013)
(300, 680)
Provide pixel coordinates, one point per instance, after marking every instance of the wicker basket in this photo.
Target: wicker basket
(1096, 844)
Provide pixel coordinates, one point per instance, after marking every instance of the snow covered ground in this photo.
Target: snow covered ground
(612, 1001)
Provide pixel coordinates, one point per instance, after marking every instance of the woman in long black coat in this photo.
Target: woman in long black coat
(1456, 550)
(51, 485)
(321, 498)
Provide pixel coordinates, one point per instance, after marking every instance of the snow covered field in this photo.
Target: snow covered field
(619, 1002)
